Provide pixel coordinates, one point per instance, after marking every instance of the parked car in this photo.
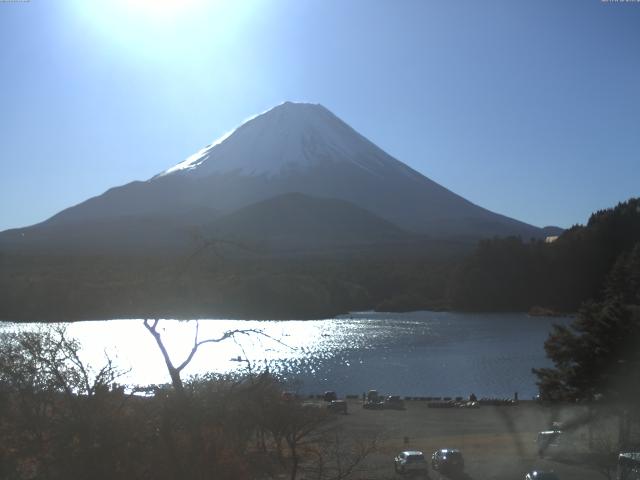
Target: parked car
(410, 461)
(329, 396)
(447, 460)
(373, 400)
(373, 405)
(337, 406)
(553, 442)
(373, 396)
(394, 402)
(540, 475)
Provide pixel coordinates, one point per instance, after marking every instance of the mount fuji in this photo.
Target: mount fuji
(294, 152)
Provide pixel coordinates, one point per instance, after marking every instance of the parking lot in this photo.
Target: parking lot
(498, 442)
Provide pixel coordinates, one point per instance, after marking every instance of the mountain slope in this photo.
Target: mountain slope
(291, 148)
(136, 234)
(294, 221)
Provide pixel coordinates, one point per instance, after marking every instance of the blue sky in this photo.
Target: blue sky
(528, 108)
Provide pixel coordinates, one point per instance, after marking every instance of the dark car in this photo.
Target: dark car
(337, 406)
(373, 396)
(373, 405)
(329, 396)
(540, 475)
(447, 460)
(394, 402)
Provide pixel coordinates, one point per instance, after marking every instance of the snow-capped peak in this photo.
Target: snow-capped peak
(287, 137)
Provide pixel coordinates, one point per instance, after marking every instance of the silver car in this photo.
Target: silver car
(410, 461)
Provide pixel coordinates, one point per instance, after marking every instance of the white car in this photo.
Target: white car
(410, 461)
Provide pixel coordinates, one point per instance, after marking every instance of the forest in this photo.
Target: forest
(509, 274)
(596, 357)
(225, 280)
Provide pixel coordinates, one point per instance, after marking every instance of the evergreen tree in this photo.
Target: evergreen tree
(597, 355)
(509, 274)
(624, 279)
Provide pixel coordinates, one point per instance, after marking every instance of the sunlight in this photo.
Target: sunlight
(166, 30)
(162, 9)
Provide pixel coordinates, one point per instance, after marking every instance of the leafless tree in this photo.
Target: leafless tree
(175, 371)
(297, 425)
(152, 325)
(336, 455)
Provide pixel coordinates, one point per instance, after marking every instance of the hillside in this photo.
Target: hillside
(509, 274)
(296, 222)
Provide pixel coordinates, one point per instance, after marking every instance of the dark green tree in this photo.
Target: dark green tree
(510, 274)
(597, 356)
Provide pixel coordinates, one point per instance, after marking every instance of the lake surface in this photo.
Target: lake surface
(417, 354)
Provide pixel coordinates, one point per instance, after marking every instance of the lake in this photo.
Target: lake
(416, 354)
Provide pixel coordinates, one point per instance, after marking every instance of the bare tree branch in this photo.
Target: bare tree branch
(174, 372)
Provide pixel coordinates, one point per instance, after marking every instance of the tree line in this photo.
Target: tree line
(596, 358)
(500, 274)
(509, 274)
(68, 288)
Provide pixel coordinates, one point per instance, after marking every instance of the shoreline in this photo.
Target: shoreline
(533, 312)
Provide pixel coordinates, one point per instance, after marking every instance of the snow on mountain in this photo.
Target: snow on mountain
(285, 139)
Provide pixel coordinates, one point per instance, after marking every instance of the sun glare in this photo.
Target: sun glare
(163, 29)
(162, 9)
